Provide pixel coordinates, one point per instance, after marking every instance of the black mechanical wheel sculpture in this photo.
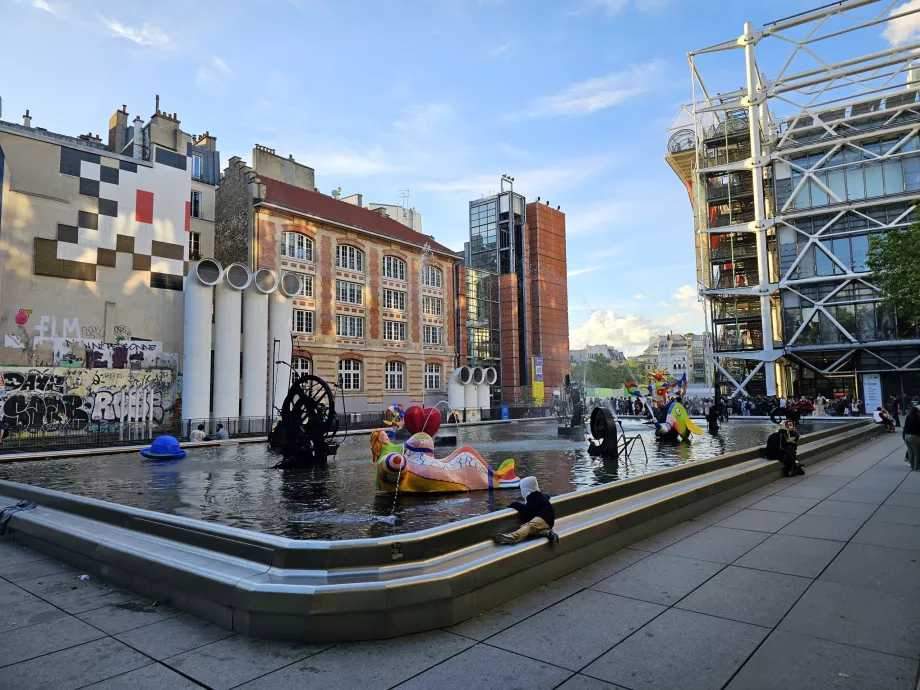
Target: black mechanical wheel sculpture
(308, 422)
(604, 430)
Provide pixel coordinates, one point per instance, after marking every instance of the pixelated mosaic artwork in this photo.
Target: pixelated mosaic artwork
(133, 209)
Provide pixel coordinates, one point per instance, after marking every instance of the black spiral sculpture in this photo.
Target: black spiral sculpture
(308, 423)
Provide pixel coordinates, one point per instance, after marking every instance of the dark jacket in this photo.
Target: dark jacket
(912, 424)
(537, 505)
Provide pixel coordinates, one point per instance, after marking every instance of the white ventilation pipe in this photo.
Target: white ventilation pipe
(490, 376)
(255, 342)
(280, 345)
(196, 351)
(227, 341)
(455, 387)
(471, 392)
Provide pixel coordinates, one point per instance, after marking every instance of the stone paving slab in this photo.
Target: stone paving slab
(660, 578)
(785, 553)
(757, 520)
(717, 544)
(889, 534)
(843, 509)
(894, 570)
(44, 638)
(32, 569)
(821, 527)
(152, 677)
(67, 591)
(128, 615)
(173, 636)
(786, 504)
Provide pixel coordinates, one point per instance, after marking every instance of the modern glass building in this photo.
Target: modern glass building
(788, 178)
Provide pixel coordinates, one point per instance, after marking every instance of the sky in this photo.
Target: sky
(572, 98)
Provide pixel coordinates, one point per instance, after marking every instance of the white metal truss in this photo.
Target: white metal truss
(828, 107)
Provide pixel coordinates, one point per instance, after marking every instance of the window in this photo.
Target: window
(394, 268)
(394, 330)
(296, 246)
(350, 374)
(349, 326)
(351, 293)
(394, 376)
(196, 166)
(432, 277)
(302, 366)
(194, 246)
(196, 204)
(303, 321)
(306, 284)
(432, 305)
(348, 257)
(432, 377)
(434, 335)
(394, 299)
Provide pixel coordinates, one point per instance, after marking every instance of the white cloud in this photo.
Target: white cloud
(639, 295)
(350, 161)
(904, 29)
(211, 70)
(52, 8)
(421, 119)
(687, 316)
(629, 333)
(503, 52)
(582, 271)
(598, 93)
(145, 35)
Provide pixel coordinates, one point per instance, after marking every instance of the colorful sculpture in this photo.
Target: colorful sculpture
(394, 416)
(676, 423)
(411, 467)
(423, 421)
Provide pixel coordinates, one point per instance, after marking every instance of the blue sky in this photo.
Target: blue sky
(571, 97)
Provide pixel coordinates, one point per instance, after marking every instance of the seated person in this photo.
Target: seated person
(538, 513)
(782, 445)
(198, 434)
(881, 416)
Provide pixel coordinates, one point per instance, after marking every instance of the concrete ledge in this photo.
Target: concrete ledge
(273, 587)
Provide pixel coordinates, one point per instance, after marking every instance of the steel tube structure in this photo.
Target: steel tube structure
(255, 343)
(280, 337)
(227, 341)
(196, 354)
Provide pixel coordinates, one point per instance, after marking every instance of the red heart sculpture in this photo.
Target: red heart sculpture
(426, 421)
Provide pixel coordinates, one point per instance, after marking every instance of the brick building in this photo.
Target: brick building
(376, 296)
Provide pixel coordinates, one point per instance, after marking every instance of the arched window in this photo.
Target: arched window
(394, 268)
(395, 374)
(302, 365)
(432, 277)
(350, 374)
(349, 257)
(296, 246)
(432, 377)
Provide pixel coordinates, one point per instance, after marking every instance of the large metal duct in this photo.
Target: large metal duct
(255, 342)
(471, 390)
(490, 376)
(196, 352)
(459, 377)
(227, 341)
(280, 324)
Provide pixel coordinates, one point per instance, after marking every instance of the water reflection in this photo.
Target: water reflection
(236, 485)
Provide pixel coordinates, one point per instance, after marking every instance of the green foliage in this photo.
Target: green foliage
(894, 260)
(604, 374)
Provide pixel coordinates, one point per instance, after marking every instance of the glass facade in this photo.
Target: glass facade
(483, 223)
(482, 318)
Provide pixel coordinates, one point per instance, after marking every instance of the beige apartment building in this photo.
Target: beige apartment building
(375, 311)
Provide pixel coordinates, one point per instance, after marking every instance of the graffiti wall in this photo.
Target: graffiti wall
(54, 398)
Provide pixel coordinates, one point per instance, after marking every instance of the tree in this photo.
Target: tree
(894, 259)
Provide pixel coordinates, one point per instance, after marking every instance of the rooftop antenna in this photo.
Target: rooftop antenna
(404, 197)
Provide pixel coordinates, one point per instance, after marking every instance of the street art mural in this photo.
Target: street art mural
(54, 398)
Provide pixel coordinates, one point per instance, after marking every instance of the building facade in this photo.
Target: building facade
(589, 352)
(94, 247)
(376, 301)
(788, 178)
(514, 299)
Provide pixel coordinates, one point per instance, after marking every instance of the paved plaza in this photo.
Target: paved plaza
(812, 582)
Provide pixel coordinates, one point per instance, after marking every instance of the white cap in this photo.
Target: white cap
(528, 486)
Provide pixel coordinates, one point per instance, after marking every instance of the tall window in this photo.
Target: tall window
(349, 326)
(432, 305)
(434, 335)
(394, 379)
(194, 246)
(394, 330)
(432, 277)
(306, 284)
(432, 377)
(196, 205)
(394, 268)
(350, 258)
(350, 374)
(303, 321)
(302, 365)
(296, 246)
(394, 299)
(352, 293)
(196, 166)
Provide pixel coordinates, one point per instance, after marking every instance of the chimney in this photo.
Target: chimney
(138, 137)
(27, 119)
(118, 123)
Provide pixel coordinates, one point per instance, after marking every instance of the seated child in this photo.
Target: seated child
(537, 511)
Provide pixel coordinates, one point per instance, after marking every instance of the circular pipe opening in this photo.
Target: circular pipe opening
(289, 285)
(237, 276)
(491, 376)
(208, 272)
(265, 280)
(465, 375)
(479, 375)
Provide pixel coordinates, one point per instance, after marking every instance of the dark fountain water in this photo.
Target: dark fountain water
(235, 485)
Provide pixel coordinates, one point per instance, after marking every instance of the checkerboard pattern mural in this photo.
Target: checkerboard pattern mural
(128, 207)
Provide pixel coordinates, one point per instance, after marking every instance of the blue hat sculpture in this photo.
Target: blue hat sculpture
(164, 448)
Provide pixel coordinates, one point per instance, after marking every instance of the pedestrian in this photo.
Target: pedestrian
(538, 513)
(912, 438)
(222, 433)
(198, 434)
(894, 410)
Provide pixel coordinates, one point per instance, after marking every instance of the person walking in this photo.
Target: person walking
(894, 410)
(912, 438)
